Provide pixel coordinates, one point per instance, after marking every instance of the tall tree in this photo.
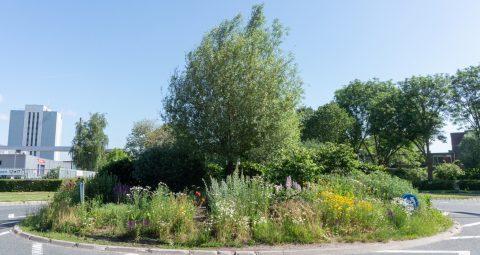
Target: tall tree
(425, 100)
(375, 107)
(466, 98)
(329, 123)
(237, 96)
(90, 142)
(469, 151)
(147, 134)
(388, 133)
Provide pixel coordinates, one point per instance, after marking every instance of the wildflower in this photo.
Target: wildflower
(288, 183)
(198, 193)
(131, 224)
(203, 199)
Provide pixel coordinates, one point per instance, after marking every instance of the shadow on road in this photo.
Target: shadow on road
(468, 213)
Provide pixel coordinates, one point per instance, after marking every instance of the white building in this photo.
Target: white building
(36, 126)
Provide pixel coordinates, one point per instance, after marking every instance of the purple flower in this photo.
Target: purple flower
(146, 222)
(131, 224)
(296, 186)
(288, 183)
(120, 190)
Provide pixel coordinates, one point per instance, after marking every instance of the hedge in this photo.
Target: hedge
(20, 185)
(448, 185)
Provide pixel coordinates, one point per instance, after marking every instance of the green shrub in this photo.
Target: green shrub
(448, 172)
(412, 174)
(368, 167)
(173, 165)
(101, 187)
(471, 174)
(21, 185)
(435, 185)
(334, 158)
(299, 164)
(378, 185)
(122, 169)
(52, 174)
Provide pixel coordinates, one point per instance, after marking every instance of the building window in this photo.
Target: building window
(36, 129)
(28, 127)
(33, 126)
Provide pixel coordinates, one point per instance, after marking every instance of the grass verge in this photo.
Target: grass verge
(451, 194)
(25, 196)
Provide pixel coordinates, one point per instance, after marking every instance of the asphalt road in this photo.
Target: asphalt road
(467, 242)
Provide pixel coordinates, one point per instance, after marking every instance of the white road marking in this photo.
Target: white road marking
(9, 222)
(464, 237)
(471, 224)
(37, 249)
(426, 252)
(4, 233)
(11, 216)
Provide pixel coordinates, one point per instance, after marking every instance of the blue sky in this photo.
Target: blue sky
(116, 57)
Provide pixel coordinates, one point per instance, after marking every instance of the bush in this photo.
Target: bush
(334, 158)
(101, 187)
(368, 167)
(471, 174)
(173, 165)
(52, 174)
(123, 169)
(299, 164)
(377, 185)
(16, 185)
(448, 172)
(412, 174)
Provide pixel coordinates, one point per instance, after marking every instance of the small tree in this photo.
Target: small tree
(90, 142)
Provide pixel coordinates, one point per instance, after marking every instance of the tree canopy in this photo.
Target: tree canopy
(90, 142)
(466, 98)
(425, 100)
(236, 98)
(329, 123)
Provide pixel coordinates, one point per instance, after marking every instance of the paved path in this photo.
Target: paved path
(467, 242)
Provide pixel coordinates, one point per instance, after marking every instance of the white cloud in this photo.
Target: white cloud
(1, 98)
(3, 117)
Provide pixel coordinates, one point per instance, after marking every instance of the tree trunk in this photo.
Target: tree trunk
(230, 168)
(429, 162)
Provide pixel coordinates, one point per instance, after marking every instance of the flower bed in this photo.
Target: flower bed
(246, 211)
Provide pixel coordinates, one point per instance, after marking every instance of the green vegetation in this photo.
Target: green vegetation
(90, 142)
(244, 210)
(21, 185)
(239, 162)
(25, 196)
(449, 194)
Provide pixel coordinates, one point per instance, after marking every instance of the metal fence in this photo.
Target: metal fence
(18, 173)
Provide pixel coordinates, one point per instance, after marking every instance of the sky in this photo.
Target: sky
(116, 57)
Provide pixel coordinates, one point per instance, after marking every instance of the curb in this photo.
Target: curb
(336, 248)
(24, 203)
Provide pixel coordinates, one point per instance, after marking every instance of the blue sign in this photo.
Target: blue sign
(411, 199)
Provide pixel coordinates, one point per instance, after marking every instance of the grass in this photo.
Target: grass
(452, 194)
(25, 196)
